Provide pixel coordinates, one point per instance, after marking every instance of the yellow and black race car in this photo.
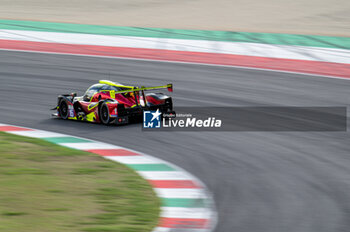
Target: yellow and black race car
(110, 102)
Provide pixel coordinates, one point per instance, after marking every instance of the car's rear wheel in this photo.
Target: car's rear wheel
(104, 114)
(63, 109)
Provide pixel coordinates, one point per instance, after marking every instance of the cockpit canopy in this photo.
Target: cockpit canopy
(90, 92)
(96, 88)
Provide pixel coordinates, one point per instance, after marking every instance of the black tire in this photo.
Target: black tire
(104, 114)
(63, 109)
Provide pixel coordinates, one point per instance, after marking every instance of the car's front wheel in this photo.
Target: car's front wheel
(104, 114)
(63, 109)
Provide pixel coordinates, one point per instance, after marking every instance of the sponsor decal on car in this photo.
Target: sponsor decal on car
(70, 111)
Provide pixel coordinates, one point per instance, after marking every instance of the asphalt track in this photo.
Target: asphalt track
(261, 181)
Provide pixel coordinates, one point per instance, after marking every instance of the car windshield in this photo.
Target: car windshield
(91, 91)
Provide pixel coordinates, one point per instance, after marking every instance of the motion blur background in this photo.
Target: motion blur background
(320, 17)
(261, 181)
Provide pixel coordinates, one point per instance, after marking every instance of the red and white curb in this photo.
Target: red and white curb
(187, 206)
(330, 62)
(335, 55)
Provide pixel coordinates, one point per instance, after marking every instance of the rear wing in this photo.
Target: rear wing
(134, 89)
(137, 89)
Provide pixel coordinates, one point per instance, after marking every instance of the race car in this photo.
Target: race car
(109, 102)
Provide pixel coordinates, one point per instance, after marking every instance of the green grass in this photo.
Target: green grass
(48, 188)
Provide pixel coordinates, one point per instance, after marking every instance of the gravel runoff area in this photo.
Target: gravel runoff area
(326, 17)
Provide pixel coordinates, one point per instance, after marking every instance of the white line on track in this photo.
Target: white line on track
(38, 134)
(164, 175)
(180, 193)
(89, 146)
(181, 212)
(133, 159)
